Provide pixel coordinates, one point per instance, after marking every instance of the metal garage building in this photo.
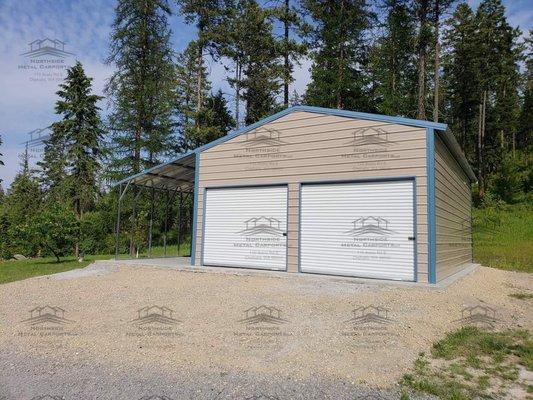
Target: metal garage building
(315, 190)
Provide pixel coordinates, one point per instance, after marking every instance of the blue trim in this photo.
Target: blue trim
(203, 227)
(415, 231)
(372, 117)
(432, 229)
(356, 181)
(286, 184)
(195, 205)
(299, 226)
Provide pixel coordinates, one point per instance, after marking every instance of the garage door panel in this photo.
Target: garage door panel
(246, 227)
(358, 229)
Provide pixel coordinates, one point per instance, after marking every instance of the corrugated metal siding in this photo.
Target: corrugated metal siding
(308, 147)
(453, 213)
(358, 229)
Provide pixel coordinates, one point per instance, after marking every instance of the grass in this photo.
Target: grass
(522, 296)
(11, 271)
(473, 363)
(503, 237)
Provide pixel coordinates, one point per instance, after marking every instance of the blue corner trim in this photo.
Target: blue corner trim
(432, 228)
(195, 205)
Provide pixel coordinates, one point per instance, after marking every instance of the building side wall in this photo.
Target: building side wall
(453, 213)
(308, 147)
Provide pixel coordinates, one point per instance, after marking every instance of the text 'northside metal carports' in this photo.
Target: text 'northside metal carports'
(173, 179)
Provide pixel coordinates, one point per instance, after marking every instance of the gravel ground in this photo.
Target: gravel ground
(313, 343)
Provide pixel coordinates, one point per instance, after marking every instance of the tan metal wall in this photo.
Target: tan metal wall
(453, 213)
(315, 147)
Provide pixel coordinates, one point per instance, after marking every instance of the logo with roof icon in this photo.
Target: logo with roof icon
(154, 315)
(370, 226)
(263, 314)
(480, 316)
(48, 397)
(47, 315)
(370, 136)
(262, 226)
(263, 137)
(262, 397)
(47, 47)
(464, 230)
(370, 315)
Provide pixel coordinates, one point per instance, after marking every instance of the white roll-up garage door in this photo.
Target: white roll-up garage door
(246, 227)
(358, 229)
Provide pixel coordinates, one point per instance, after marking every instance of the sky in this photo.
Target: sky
(27, 89)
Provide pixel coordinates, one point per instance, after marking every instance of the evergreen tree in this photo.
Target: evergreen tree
(461, 77)
(208, 17)
(79, 133)
(497, 59)
(142, 88)
(423, 40)
(525, 127)
(53, 166)
(439, 8)
(394, 61)
(254, 53)
(291, 49)
(340, 52)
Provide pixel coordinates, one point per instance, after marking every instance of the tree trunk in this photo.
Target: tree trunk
(481, 136)
(437, 63)
(287, 72)
(340, 99)
(199, 78)
(422, 49)
(237, 93)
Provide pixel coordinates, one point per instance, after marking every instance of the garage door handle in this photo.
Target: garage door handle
(411, 238)
(284, 233)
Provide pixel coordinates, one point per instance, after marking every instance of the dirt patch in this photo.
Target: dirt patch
(259, 324)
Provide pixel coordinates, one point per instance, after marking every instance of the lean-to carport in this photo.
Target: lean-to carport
(174, 181)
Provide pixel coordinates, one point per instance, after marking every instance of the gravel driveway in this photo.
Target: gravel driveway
(137, 332)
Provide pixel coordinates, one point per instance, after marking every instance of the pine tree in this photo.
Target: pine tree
(525, 128)
(340, 50)
(80, 134)
(255, 56)
(53, 166)
(291, 49)
(423, 40)
(497, 63)
(142, 89)
(394, 61)
(461, 77)
(208, 17)
(439, 8)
